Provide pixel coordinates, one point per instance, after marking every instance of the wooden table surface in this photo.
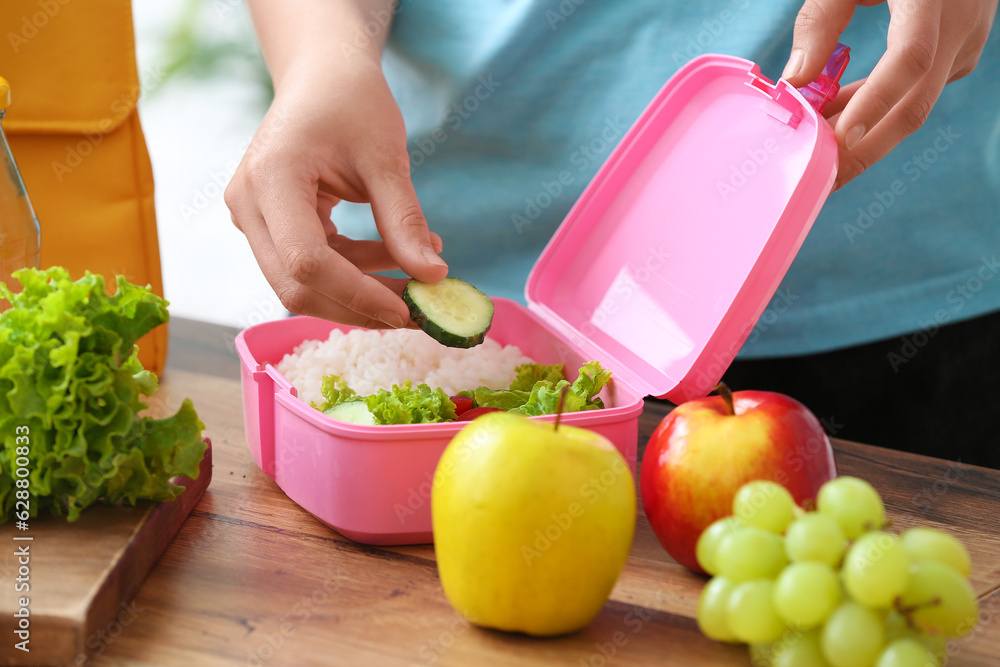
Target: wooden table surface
(252, 579)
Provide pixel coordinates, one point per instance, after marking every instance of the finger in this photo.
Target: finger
(397, 285)
(818, 27)
(324, 205)
(896, 126)
(844, 95)
(911, 52)
(369, 256)
(297, 298)
(840, 160)
(968, 57)
(403, 228)
(288, 205)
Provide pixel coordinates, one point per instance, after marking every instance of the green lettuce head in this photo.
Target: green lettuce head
(70, 390)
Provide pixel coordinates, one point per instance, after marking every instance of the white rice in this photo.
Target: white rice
(369, 360)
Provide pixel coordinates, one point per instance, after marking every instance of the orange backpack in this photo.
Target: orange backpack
(74, 131)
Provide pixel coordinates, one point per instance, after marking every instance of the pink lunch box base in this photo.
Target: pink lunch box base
(373, 483)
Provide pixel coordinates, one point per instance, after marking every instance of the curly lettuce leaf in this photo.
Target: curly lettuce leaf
(410, 405)
(71, 386)
(589, 383)
(544, 400)
(421, 404)
(542, 395)
(335, 391)
(580, 396)
(529, 374)
(505, 399)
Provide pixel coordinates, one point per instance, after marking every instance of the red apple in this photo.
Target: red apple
(706, 449)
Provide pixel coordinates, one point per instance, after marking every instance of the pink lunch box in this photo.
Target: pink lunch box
(659, 272)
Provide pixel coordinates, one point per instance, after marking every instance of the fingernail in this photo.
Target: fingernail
(391, 318)
(794, 64)
(431, 256)
(853, 136)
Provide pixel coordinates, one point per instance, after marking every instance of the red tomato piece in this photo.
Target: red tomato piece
(462, 404)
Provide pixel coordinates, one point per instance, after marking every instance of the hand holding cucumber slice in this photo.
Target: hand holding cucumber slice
(452, 312)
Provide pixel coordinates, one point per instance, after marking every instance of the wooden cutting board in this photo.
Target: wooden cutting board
(83, 576)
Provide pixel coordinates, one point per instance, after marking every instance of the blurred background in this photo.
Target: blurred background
(205, 90)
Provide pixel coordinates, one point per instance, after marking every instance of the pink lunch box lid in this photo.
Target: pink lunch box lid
(663, 266)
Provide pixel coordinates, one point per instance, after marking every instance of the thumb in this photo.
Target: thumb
(817, 30)
(403, 227)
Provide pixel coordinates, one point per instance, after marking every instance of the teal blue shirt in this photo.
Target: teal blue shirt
(511, 107)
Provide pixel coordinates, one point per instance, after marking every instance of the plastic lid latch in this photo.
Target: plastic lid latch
(827, 84)
(781, 104)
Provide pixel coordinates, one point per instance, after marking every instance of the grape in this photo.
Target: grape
(896, 627)
(906, 653)
(750, 553)
(765, 505)
(852, 636)
(761, 655)
(712, 609)
(751, 615)
(708, 542)
(806, 593)
(836, 591)
(932, 544)
(876, 569)
(799, 650)
(937, 645)
(815, 537)
(939, 600)
(853, 503)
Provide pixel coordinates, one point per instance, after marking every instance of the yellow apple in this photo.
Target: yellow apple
(532, 523)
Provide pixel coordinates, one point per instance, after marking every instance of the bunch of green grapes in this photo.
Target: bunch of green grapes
(831, 588)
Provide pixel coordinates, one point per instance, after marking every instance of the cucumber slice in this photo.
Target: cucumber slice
(452, 312)
(352, 412)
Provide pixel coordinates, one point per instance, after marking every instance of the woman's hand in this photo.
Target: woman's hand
(930, 43)
(333, 132)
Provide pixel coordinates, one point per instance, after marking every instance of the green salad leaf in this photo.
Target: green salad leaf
(71, 386)
(582, 394)
(421, 404)
(335, 391)
(505, 399)
(529, 374)
(398, 405)
(589, 383)
(542, 397)
(410, 405)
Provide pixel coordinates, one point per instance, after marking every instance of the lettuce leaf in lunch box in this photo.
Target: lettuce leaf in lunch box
(519, 391)
(420, 405)
(520, 387)
(71, 386)
(543, 396)
(582, 394)
(410, 405)
(399, 405)
(589, 383)
(335, 391)
(504, 399)
(529, 374)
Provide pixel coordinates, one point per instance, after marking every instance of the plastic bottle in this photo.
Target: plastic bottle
(19, 232)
